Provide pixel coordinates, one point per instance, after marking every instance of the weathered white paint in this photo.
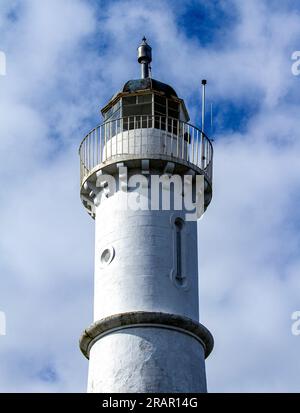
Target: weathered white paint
(148, 141)
(150, 360)
(139, 278)
(135, 270)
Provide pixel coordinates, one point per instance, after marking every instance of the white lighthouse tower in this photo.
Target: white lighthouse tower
(146, 336)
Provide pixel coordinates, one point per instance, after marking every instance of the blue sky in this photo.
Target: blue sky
(65, 58)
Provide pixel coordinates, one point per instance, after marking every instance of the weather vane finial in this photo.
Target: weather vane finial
(144, 57)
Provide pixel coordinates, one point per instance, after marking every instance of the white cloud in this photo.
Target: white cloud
(40, 208)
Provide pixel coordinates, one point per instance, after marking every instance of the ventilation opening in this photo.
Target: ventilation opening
(179, 224)
(106, 256)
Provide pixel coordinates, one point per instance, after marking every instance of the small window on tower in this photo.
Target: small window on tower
(178, 272)
(136, 111)
(173, 109)
(178, 229)
(160, 108)
(129, 100)
(166, 108)
(160, 111)
(144, 99)
(114, 112)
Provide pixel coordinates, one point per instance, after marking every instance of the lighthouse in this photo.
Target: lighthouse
(137, 171)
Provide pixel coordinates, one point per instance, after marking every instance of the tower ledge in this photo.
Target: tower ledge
(145, 319)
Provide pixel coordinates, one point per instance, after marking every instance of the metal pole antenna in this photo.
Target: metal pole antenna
(204, 82)
(211, 120)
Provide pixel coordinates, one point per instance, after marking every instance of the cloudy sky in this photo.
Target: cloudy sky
(65, 58)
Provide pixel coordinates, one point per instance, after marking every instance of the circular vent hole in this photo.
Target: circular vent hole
(107, 256)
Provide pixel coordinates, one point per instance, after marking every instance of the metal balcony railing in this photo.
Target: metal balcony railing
(145, 137)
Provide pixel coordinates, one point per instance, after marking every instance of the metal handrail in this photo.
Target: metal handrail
(145, 136)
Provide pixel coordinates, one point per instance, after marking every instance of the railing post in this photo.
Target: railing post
(141, 137)
(147, 133)
(100, 143)
(160, 134)
(110, 137)
(202, 150)
(193, 139)
(182, 151)
(197, 148)
(134, 137)
(128, 146)
(97, 147)
(172, 131)
(105, 140)
(122, 143)
(166, 133)
(188, 156)
(88, 152)
(178, 125)
(94, 145)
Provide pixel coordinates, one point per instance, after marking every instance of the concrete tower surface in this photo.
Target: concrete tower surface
(146, 336)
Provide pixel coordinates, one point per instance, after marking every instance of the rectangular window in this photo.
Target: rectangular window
(160, 100)
(129, 100)
(173, 105)
(136, 111)
(113, 112)
(166, 108)
(160, 107)
(179, 277)
(160, 112)
(173, 116)
(144, 99)
(173, 109)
